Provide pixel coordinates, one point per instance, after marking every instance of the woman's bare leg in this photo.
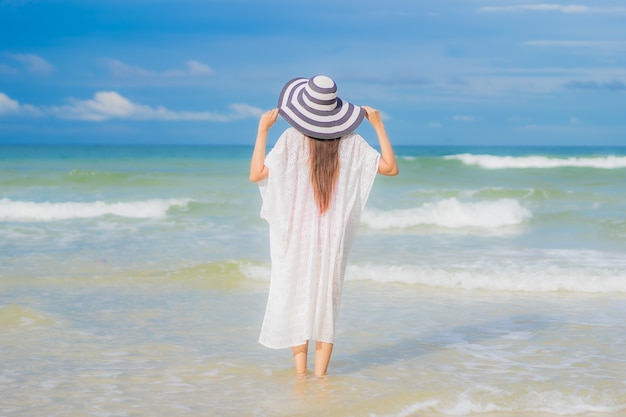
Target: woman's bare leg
(323, 351)
(299, 357)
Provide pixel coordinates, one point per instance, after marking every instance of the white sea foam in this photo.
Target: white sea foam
(451, 213)
(509, 277)
(255, 272)
(468, 403)
(504, 162)
(46, 211)
(541, 272)
(19, 316)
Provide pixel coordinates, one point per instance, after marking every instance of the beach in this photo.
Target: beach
(483, 281)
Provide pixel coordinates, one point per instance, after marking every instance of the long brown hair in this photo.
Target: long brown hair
(324, 167)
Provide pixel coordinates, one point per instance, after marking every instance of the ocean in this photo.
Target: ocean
(483, 281)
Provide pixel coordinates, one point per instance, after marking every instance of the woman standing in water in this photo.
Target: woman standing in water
(314, 184)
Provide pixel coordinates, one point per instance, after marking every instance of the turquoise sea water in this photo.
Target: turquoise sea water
(483, 280)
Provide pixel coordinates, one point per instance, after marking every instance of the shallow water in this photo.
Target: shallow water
(160, 347)
(133, 282)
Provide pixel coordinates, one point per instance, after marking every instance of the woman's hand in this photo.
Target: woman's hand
(373, 116)
(267, 120)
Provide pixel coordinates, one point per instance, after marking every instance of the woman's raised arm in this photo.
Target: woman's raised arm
(387, 164)
(258, 170)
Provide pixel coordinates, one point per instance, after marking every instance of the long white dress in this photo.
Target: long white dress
(309, 251)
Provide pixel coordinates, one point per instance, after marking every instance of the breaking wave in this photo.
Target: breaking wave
(451, 213)
(47, 211)
(512, 278)
(504, 162)
(495, 275)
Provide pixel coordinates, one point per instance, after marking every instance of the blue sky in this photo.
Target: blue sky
(443, 72)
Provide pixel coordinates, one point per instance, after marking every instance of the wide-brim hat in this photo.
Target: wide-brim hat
(313, 108)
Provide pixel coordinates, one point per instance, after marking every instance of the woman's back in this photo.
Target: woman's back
(308, 248)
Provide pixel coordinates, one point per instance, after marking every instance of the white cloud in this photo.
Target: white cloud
(463, 118)
(434, 125)
(33, 63)
(6, 69)
(107, 105)
(515, 82)
(574, 121)
(7, 105)
(193, 68)
(570, 8)
(10, 106)
(14, 2)
(576, 44)
(122, 70)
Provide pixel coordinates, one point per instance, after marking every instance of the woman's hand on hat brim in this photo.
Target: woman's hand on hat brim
(267, 120)
(373, 116)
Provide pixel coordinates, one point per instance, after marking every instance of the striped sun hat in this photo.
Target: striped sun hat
(313, 108)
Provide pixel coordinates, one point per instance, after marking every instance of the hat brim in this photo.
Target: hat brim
(318, 124)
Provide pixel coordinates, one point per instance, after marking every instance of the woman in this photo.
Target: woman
(314, 184)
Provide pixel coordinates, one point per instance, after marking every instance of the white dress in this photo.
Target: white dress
(308, 250)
